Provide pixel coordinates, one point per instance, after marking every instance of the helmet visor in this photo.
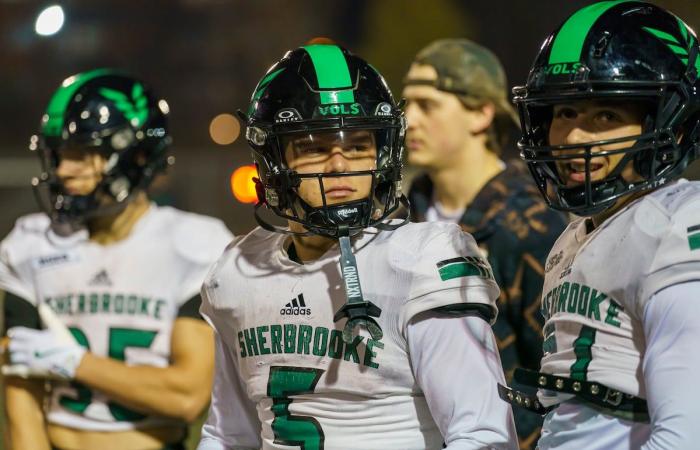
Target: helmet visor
(585, 153)
(333, 166)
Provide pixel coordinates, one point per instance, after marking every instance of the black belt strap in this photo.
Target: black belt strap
(611, 400)
(522, 399)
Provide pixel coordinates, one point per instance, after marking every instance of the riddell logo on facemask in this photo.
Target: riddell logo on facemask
(344, 213)
(297, 307)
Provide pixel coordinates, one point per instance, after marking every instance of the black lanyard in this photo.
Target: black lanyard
(356, 308)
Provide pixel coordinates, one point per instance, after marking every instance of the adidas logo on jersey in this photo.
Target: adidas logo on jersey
(100, 279)
(297, 307)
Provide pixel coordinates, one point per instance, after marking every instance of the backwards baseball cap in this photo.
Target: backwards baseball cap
(469, 71)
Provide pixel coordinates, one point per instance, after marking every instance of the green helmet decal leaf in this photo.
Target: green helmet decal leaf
(264, 82)
(684, 29)
(662, 35)
(691, 40)
(52, 122)
(134, 108)
(568, 43)
(332, 72)
(260, 89)
(681, 49)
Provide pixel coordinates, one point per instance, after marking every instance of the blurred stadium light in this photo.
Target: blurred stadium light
(224, 129)
(242, 184)
(50, 21)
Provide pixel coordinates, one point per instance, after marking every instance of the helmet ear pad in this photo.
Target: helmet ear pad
(680, 128)
(642, 160)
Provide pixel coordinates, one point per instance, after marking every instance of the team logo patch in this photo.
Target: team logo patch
(464, 266)
(553, 261)
(567, 268)
(694, 237)
(296, 307)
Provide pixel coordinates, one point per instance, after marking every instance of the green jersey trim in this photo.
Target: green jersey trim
(464, 266)
(694, 237)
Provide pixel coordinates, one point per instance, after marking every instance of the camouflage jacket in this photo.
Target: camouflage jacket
(515, 229)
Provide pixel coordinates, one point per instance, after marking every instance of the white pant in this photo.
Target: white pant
(574, 426)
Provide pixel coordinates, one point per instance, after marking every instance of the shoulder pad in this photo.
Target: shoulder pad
(25, 234)
(199, 239)
(674, 196)
(669, 219)
(37, 223)
(416, 235)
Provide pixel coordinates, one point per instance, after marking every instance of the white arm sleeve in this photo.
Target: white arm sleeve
(671, 367)
(456, 364)
(233, 421)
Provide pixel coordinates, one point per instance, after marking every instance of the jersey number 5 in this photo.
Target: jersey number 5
(119, 340)
(289, 429)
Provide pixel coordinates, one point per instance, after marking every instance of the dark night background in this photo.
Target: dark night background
(205, 57)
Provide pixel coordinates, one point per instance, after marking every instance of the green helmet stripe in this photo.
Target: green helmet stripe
(332, 73)
(337, 97)
(52, 122)
(568, 43)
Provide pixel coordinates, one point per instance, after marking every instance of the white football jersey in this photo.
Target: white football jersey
(597, 285)
(275, 318)
(119, 300)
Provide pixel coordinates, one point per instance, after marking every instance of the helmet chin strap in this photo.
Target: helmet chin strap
(316, 231)
(273, 228)
(359, 312)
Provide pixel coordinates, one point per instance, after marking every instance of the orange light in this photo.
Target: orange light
(242, 184)
(320, 40)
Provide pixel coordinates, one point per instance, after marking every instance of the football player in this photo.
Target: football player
(122, 273)
(346, 330)
(458, 121)
(611, 118)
